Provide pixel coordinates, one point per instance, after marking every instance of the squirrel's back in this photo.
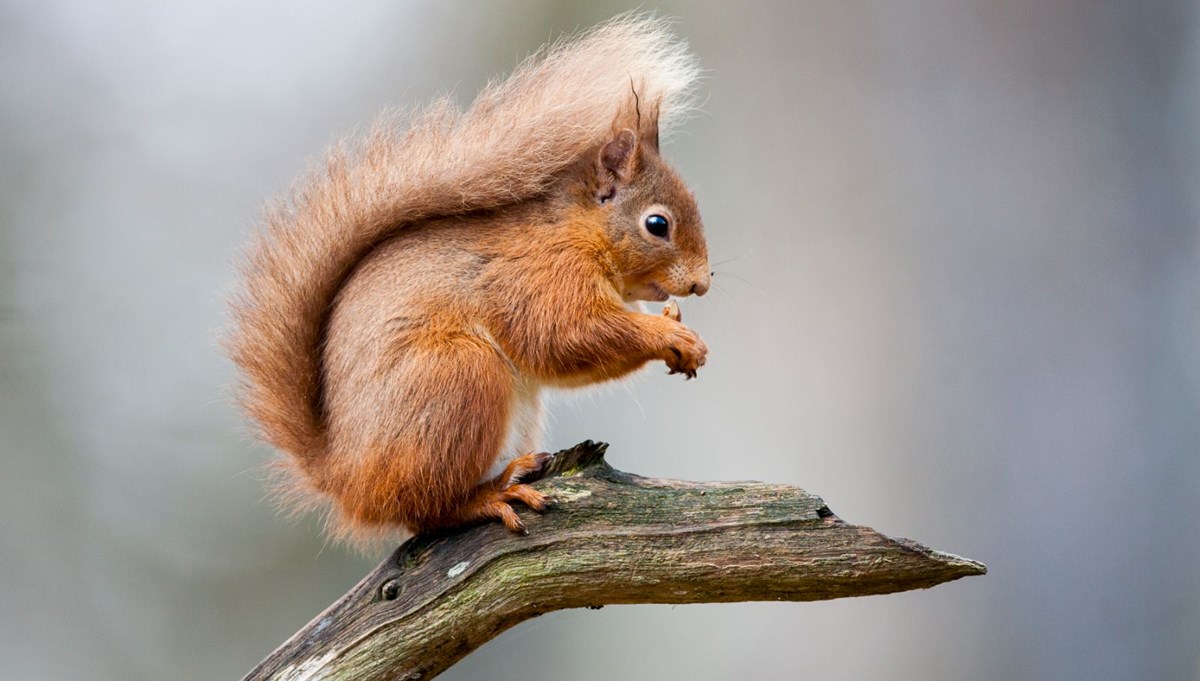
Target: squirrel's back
(506, 148)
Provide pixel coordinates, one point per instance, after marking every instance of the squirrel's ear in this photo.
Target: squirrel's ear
(619, 155)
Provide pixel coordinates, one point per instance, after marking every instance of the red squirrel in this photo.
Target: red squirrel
(404, 312)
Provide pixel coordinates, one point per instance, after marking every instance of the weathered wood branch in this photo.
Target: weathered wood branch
(610, 537)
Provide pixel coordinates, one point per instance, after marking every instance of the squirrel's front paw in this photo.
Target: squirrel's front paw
(686, 352)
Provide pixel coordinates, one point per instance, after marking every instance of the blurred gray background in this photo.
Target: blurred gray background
(959, 298)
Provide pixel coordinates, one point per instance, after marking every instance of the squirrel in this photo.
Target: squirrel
(402, 315)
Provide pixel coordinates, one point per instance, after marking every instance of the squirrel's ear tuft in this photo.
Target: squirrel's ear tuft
(649, 127)
(619, 155)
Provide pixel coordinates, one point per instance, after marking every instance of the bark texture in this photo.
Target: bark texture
(610, 537)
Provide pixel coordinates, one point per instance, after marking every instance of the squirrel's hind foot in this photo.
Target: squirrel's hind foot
(525, 468)
(496, 504)
(493, 501)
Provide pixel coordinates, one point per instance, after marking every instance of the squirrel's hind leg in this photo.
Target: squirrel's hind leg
(415, 431)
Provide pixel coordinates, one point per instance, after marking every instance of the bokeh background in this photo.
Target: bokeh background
(959, 297)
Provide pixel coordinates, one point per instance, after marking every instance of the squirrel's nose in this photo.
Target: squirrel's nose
(701, 287)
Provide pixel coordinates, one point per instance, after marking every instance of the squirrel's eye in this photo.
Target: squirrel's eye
(658, 226)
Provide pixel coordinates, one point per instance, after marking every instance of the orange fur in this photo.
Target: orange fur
(401, 317)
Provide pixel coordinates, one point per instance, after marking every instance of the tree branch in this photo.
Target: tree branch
(610, 537)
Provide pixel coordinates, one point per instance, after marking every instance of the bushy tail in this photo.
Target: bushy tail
(438, 161)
